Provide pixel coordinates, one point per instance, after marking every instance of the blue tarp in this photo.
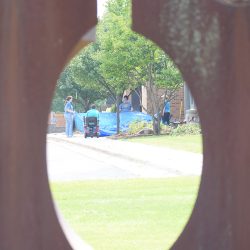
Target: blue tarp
(107, 121)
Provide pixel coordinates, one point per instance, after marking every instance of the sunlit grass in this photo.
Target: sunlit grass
(141, 214)
(191, 143)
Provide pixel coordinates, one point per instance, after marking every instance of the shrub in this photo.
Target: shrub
(136, 126)
(165, 129)
(186, 129)
(113, 108)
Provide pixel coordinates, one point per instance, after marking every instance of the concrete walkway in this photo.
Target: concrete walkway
(144, 161)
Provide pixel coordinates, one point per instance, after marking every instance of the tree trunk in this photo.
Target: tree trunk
(117, 114)
(157, 124)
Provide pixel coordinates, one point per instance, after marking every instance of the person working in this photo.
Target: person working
(125, 106)
(166, 113)
(69, 116)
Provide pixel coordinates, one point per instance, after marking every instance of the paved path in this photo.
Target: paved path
(78, 158)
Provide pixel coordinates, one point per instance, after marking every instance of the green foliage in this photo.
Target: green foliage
(186, 129)
(113, 108)
(136, 126)
(69, 83)
(119, 8)
(126, 58)
(165, 129)
(120, 59)
(58, 103)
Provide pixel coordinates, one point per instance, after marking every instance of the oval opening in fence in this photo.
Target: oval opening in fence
(136, 190)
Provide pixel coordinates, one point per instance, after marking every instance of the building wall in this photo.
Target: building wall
(56, 123)
(177, 103)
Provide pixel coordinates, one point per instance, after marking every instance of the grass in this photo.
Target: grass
(141, 214)
(191, 143)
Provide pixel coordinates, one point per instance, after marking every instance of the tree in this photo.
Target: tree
(112, 57)
(128, 60)
(121, 59)
(157, 72)
(84, 93)
(87, 69)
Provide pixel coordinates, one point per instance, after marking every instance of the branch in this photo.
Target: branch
(108, 87)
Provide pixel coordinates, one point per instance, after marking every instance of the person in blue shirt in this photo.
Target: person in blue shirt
(93, 112)
(166, 113)
(69, 116)
(125, 106)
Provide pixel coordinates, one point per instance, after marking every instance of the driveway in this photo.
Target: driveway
(78, 158)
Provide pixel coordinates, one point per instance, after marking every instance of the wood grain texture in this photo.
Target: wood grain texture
(210, 43)
(36, 37)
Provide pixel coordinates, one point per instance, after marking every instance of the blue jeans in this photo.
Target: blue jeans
(69, 124)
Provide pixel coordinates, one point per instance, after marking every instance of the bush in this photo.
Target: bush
(165, 129)
(113, 108)
(136, 126)
(186, 129)
(183, 129)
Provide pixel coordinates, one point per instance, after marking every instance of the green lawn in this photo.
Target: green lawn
(144, 214)
(191, 143)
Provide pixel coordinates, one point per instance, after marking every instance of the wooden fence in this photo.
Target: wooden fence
(209, 40)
